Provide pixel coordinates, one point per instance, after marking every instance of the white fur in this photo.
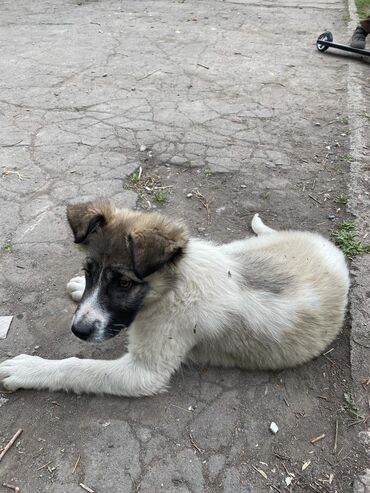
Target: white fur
(212, 316)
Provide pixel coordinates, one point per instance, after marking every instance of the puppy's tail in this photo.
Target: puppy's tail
(259, 227)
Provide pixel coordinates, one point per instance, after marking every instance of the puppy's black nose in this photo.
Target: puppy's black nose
(83, 330)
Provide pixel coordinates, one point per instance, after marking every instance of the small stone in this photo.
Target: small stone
(331, 217)
(274, 428)
(104, 75)
(243, 186)
(189, 195)
(317, 124)
(142, 148)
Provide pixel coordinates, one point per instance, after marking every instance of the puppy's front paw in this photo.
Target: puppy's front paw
(23, 371)
(76, 287)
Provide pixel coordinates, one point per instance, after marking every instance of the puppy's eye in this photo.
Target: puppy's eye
(124, 283)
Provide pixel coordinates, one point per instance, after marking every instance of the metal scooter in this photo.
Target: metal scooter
(325, 41)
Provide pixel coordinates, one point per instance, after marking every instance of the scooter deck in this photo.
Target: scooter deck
(323, 43)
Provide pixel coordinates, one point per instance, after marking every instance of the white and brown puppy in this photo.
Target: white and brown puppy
(272, 301)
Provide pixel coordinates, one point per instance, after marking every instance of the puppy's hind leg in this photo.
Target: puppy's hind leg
(259, 227)
(76, 287)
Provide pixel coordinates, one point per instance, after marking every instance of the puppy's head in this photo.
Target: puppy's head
(125, 251)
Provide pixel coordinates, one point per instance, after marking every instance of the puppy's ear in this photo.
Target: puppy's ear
(87, 217)
(154, 247)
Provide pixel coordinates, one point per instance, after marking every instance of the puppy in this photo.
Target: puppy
(269, 302)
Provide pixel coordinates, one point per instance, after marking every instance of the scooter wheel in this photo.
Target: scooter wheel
(326, 36)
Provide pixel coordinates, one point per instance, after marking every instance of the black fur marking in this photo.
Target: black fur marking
(95, 222)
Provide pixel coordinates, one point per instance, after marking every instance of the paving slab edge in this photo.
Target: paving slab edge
(359, 205)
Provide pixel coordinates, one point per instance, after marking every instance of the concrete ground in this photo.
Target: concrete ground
(227, 101)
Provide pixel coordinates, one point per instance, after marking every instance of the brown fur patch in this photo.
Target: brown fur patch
(141, 242)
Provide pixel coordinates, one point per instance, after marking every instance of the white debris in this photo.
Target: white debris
(306, 464)
(107, 423)
(189, 195)
(142, 148)
(191, 408)
(3, 401)
(4, 326)
(274, 428)
(288, 480)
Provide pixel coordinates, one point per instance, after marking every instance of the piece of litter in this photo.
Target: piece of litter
(189, 195)
(288, 480)
(191, 408)
(142, 148)
(86, 488)
(12, 487)
(4, 326)
(306, 464)
(317, 439)
(274, 428)
(263, 474)
(104, 425)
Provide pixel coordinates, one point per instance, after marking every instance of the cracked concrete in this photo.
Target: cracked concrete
(232, 99)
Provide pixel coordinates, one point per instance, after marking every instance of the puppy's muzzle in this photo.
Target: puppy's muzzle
(85, 330)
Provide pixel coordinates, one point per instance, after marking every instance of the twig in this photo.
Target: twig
(194, 444)
(327, 352)
(12, 487)
(274, 487)
(262, 473)
(86, 488)
(336, 436)
(182, 408)
(76, 464)
(10, 443)
(313, 198)
(317, 439)
(204, 203)
(204, 66)
(147, 75)
(8, 172)
(43, 466)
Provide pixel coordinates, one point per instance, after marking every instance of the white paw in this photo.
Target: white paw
(76, 287)
(23, 371)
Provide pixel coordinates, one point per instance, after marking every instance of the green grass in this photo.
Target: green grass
(161, 196)
(265, 195)
(344, 120)
(345, 237)
(351, 407)
(207, 172)
(134, 178)
(346, 157)
(341, 199)
(363, 8)
(7, 248)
